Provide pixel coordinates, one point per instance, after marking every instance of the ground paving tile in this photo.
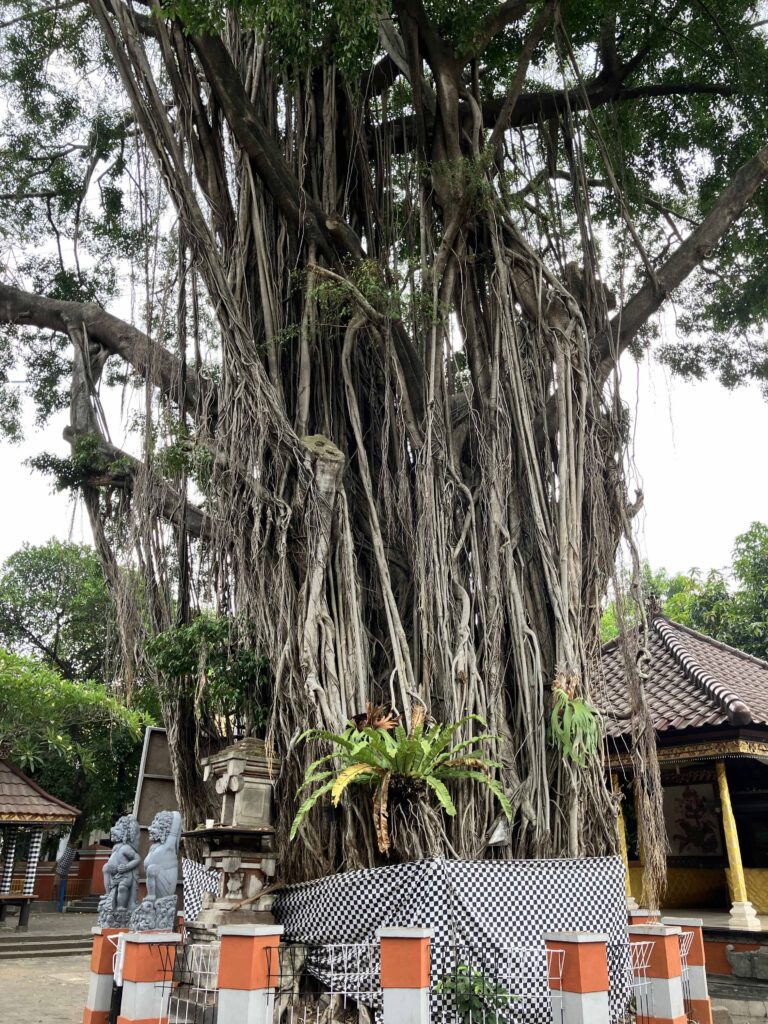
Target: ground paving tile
(45, 990)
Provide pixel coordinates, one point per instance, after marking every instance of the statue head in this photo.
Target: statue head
(126, 830)
(161, 826)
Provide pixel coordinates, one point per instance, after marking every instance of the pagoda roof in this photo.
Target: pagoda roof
(23, 802)
(693, 682)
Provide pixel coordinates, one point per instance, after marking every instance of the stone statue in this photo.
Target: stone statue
(161, 866)
(121, 882)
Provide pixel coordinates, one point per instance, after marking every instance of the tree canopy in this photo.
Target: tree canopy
(55, 607)
(365, 274)
(76, 740)
(729, 605)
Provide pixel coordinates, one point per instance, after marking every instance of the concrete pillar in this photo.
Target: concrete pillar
(622, 831)
(664, 973)
(99, 997)
(701, 1006)
(248, 973)
(147, 972)
(405, 974)
(583, 987)
(743, 914)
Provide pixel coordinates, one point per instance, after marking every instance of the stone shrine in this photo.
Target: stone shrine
(239, 844)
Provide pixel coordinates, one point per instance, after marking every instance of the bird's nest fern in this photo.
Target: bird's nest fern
(391, 761)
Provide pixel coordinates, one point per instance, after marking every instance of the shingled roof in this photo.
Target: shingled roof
(23, 802)
(694, 681)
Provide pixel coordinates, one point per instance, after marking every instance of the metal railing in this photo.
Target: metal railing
(319, 984)
(686, 941)
(630, 994)
(194, 984)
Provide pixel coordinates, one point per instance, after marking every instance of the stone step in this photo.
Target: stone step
(89, 905)
(24, 950)
(13, 938)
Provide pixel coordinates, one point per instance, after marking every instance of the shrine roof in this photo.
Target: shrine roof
(23, 802)
(692, 681)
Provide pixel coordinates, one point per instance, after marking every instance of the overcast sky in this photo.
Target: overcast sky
(700, 452)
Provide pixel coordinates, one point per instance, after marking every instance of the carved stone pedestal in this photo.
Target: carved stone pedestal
(240, 843)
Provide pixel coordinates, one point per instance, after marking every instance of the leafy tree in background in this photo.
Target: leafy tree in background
(729, 606)
(55, 607)
(369, 269)
(75, 739)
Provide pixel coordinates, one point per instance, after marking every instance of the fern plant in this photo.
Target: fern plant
(574, 726)
(392, 761)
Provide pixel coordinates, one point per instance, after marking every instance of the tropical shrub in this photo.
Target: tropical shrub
(474, 996)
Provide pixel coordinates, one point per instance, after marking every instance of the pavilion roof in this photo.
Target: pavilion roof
(23, 802)
(693, 682)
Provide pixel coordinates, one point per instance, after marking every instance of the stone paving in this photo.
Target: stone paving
(45, 990)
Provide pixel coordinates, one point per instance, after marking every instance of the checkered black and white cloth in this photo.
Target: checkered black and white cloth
(491, 908)
(197, 881)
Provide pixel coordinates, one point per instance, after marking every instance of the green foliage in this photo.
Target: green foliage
(55, 606)
(574, 727)
(393, 762)
(78, 741)
(300, 33)
(215, 648)
(728, 606)
(473, 996)
(87, 461)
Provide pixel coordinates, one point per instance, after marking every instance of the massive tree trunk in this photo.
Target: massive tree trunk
(416, 443)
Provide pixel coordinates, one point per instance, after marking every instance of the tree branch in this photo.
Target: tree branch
(327, 229)
(689, 254)
(495, 22)
(121, 471)
(333, 235)
(533, 107)
(48, 9)
(117, 337)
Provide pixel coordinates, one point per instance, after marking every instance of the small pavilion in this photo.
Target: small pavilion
(25, 807)
(709, 705)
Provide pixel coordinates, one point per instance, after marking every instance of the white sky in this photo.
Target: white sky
(700, 452)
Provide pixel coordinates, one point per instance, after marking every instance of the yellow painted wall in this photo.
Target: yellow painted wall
(689, 888)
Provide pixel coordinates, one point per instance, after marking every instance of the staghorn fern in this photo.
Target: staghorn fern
(390, 760)
(574, 727)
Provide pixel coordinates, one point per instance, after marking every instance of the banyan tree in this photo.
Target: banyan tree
(337, 296)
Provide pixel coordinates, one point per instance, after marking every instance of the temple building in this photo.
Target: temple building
(709, 705)
(26, 813)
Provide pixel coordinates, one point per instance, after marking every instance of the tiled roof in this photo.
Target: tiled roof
(693, 681)
(24, 802)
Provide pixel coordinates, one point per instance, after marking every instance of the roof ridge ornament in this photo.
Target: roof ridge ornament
(738, 712)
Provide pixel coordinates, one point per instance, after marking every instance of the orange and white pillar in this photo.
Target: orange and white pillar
(405, 974)
(701, 1005)
(248, 973)
(664, 972)
(99, 998)
(146, 970)
(583, 985)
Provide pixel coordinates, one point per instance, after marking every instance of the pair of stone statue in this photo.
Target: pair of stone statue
(119, 907)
